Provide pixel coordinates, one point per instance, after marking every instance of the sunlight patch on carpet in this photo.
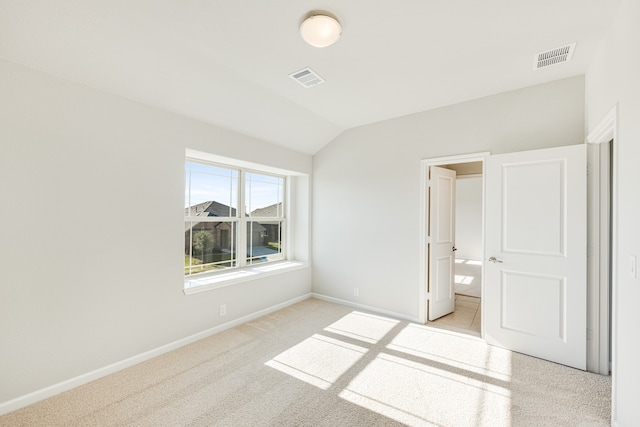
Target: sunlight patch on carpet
(450, 350)
(363, 326)
(318, 360)
(391, 385)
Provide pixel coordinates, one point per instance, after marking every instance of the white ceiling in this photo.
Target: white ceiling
(227, 62)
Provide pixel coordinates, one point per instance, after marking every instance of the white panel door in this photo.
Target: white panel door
(442, 199)
(535, 281)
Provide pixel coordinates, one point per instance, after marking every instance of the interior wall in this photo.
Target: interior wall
(91, 237)
(366, 185)
(612, 80)
(469, 218)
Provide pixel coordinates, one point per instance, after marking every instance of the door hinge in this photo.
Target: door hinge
(428, 239)
(428, 296)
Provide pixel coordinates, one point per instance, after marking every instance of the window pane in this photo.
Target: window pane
(210, 191)
(264, 195)
(264, 241)
(209, 246)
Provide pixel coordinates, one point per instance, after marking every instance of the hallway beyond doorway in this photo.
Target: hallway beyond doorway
(468, 276)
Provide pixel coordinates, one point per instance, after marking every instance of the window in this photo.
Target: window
(233, 217)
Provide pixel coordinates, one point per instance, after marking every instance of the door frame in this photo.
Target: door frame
(600, 265)
(424, 220)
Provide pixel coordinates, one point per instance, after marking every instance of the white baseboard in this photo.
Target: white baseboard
(44, 393)
(366, 307)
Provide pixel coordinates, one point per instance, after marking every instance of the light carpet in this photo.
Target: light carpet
(322, 364)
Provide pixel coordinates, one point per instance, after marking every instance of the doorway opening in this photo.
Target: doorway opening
(468, 253)
(462, 268)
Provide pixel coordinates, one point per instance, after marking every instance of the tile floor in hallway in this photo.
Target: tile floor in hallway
(466, 315)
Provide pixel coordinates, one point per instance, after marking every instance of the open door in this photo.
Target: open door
(441, 241)
(535, 281)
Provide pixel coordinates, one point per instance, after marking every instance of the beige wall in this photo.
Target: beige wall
(91, 237)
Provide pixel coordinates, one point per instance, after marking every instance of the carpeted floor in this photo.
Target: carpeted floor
(322, 364)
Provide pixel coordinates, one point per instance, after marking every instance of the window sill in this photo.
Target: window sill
(223, 279)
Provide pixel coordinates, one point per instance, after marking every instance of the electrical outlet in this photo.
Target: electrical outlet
(356, 292)
(223, 309)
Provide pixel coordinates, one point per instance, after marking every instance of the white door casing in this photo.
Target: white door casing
(535, 228)
(442, 197)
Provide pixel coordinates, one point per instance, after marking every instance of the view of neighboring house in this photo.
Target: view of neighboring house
(220, 232)
(211, 242)
(272, 231)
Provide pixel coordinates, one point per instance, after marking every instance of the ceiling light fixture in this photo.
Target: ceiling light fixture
(320, 30)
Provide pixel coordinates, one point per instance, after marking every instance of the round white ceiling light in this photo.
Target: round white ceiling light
(320, 30)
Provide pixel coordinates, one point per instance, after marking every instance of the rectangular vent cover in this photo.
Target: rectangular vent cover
(554, 56)
(307, 77)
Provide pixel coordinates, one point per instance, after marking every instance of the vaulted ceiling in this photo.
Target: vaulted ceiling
(227, 62)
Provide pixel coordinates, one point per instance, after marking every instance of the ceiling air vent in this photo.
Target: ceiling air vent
(554, 56)
(307, 77)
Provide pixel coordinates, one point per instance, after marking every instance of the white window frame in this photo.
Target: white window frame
(242, 271)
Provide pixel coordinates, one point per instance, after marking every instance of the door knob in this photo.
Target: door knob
(494, 260)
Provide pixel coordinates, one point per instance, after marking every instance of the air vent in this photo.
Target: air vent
(554, 56)
(307, 77)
